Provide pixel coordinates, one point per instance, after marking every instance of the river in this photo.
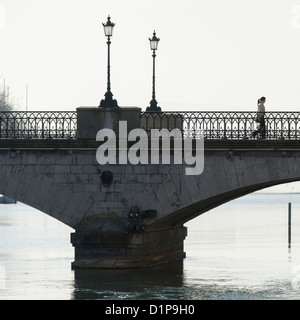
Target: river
(234, 252)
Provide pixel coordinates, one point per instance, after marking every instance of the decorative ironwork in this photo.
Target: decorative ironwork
(225, 125)
(212, 125)
(38, 125)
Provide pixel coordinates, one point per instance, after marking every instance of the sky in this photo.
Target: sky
(212, 55)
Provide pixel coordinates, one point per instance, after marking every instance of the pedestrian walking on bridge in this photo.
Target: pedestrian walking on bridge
(260, 118)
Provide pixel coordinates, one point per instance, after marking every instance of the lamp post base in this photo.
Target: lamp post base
(153, 107)
(108, 102)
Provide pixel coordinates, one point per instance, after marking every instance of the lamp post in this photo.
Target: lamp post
(153, 103)
(108, 102)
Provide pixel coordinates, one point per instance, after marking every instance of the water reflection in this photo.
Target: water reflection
(237, 251)
(129, 283)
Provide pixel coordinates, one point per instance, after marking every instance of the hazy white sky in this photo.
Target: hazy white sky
(213, 54)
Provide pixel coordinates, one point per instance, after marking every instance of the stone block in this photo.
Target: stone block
(92, 119)
(90, 169)
(60, 178)
(59, 168)
(77, 169)
(86, 158)
(41, 169)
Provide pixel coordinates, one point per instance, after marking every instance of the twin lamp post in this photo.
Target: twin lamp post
(109, 102)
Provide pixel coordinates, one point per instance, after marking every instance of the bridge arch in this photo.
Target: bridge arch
(53, 181)
(229, 175)
(186, 214)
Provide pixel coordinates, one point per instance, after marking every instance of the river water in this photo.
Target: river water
(236, 251)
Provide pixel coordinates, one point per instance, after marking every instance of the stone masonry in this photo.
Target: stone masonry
(68, 185)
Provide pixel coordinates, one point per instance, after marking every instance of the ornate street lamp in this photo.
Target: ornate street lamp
(153, 103)
(108, 102)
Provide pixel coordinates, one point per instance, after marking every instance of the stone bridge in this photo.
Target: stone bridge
(129, 216)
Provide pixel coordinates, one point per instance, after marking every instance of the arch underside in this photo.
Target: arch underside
(180, 217)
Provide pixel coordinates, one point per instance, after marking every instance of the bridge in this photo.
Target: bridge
(129, 216)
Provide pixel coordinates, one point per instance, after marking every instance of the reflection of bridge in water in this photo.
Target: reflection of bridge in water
(134, 215)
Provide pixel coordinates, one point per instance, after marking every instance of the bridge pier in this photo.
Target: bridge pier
(118, 249)
(103, 242)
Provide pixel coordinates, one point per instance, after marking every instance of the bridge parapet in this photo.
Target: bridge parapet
(225, 125)
(67, 125)
(36, 125)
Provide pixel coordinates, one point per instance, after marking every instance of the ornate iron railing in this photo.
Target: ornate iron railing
(226, 125)
(38, 125)
(213, 125)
